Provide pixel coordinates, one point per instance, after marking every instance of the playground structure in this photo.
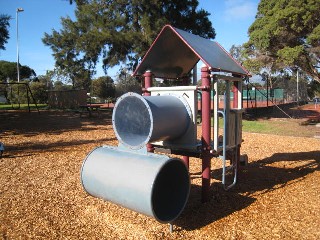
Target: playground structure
(165, 118)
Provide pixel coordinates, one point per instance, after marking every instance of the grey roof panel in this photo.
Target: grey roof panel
(175, 52)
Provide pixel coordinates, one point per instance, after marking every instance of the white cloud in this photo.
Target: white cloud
(240, 9)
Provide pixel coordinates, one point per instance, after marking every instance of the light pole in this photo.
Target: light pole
(18, 69)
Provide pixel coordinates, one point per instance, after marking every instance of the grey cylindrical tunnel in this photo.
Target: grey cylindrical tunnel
(138, 120)
(151, 184)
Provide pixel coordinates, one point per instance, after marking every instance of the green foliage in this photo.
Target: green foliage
(254, 65)
(16, 93)
(314, 37)
(4, 30)
(248, 58)
(119, 31)
(46, 80)
(103, 87)
(8, 70)
(221, 86)
(39, 91)
(60, 86)
(313, 89)
(126, 83)
(289, 54)
(238, 53)
(286, 33)
(68, 63)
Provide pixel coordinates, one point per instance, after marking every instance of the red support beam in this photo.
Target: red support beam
(148, 83)
(235, 94)
(206, 136)
(185, 159)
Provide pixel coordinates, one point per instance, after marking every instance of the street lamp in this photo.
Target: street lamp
(18, 69)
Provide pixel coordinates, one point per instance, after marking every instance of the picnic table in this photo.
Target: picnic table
(90, 108)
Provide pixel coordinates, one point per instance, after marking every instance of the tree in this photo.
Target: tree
(4, 30)
(103, 87)
(313, 89)
(68, 63)
(46, 79)
(60, 86)
(120, 31)
(238, 53)
(286, 33)
(251, 59)
(8, 70)
(126, 83)
(39, 91)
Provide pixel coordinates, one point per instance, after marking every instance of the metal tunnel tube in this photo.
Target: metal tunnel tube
(151, 184)
(138, 120)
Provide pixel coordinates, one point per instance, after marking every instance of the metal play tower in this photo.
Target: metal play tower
(132, 174)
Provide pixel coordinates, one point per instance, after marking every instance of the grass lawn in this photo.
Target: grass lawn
(284, 127)
(277, 126)
(261, 126)
(23, 106)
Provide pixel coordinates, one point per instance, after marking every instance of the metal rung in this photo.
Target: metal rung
(223, 157)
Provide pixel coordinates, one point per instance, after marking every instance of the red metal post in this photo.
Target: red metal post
(235, 94)
(185, 159)
(206, 136)
(148, 83)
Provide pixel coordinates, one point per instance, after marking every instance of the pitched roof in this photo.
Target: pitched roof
(175, 52)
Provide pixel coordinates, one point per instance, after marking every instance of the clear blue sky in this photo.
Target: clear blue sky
(230, 18)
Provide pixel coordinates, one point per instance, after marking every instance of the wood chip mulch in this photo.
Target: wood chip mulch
(41, 197)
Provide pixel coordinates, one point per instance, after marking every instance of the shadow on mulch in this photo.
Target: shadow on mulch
(255, 177)
(284, 111)
(48, 147)
(49, 122)
(222, 204)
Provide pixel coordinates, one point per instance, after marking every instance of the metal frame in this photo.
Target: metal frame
(209, 148)
(28, 90)
(172, 55)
